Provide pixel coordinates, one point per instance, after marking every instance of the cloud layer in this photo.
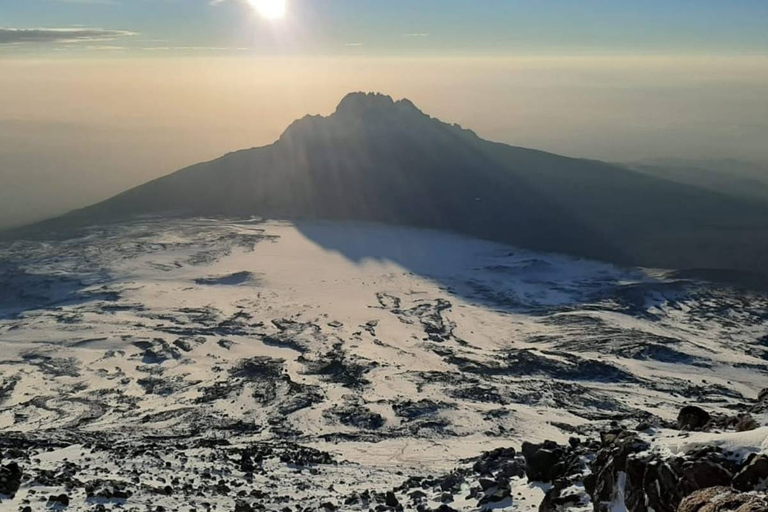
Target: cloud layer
(58, 35)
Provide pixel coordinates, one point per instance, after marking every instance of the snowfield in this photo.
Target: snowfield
(395, 351)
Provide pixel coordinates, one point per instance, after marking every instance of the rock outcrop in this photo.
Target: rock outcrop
(723, 499)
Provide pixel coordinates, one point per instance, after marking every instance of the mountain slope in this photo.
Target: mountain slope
(375, 159)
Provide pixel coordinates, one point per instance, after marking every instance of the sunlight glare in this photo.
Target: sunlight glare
(270, 9)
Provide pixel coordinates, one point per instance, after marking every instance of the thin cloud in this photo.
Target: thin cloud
(88, 2)
(416, 34)
(59, 35)
(194, 49)
(105, 48)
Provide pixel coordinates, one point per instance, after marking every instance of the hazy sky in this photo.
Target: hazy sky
(100, 95)
(439, 27)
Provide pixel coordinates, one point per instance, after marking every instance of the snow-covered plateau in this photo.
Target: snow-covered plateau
(217, 364)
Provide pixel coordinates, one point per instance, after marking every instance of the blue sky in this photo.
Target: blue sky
(392, 27)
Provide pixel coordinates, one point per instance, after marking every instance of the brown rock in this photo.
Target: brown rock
(746, 423)
(723, 499)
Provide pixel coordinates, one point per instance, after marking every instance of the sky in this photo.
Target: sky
(374, 27)
(102, 95)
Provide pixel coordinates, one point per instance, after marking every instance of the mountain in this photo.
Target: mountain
(215, 363)
(376, 159)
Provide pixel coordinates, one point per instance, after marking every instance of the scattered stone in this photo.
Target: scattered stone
(354, 414)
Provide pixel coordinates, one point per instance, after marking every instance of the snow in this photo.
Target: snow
(738, 443)
(138, 329)
(619, 503)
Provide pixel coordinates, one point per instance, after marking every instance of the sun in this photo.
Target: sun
(271, 9)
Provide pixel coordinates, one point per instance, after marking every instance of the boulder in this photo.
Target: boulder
(723, 499)
(703, 474)
(541, 460)
(499, 458)
(692, 417)
(754, 472)
(745, 423)
(558, 500)
(497, 496)
(661, 487)
(486, 483)
(10, 479)
(61, 500)
(391, 500)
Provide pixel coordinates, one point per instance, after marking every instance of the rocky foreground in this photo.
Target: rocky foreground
(704, 463)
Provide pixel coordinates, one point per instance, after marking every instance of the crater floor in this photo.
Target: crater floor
(160, 350)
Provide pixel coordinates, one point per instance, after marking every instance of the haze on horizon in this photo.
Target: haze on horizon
(102, 95)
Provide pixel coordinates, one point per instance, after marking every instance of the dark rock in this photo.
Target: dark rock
(411, 410)
(10, 479)
(762, 402)
(497, 496)
(661, 485)
(356, 415)
(61, 499)
(339, 367)
(755, 471)
(242, 506)
(417, 496)
(556, 500)
(451, 482)
(692, 417)
(391, 500)
(746, 423)
(487, 483)
(611, 460)
(541, 460)
(702, 474)
(512, 469)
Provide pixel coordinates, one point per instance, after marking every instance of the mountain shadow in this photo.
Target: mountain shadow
(376, 159)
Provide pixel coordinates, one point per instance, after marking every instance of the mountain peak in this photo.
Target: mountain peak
(363, 104)
(371, 109)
